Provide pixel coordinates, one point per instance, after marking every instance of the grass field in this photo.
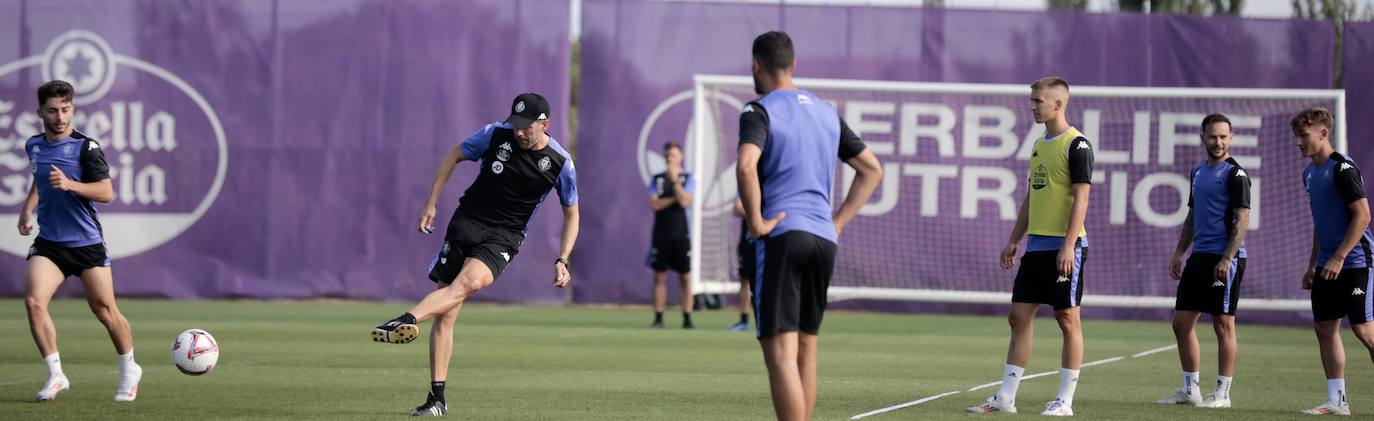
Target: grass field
(314, 360)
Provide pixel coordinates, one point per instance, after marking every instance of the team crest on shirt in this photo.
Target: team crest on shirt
(497, 167)
(68, 149)
(1040, 177)
(502, 154)
(545, 163)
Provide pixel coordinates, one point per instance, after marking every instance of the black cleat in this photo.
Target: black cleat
(687, 324)
(431, 408)
(395, 331)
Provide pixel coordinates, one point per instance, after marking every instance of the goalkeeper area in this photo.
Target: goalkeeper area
(582, 363)
(955, 160)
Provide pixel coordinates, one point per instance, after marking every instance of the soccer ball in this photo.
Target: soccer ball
(195, 352)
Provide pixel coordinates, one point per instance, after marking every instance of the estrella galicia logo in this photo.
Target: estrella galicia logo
(164, 143)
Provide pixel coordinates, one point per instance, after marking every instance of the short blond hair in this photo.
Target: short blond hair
(1050, 82)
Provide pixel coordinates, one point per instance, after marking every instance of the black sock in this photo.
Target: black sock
(744, 317)
(687, 317)
(658, 317)
(436, 391)
(410, 320)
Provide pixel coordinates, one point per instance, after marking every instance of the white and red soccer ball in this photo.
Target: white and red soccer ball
(195, 352)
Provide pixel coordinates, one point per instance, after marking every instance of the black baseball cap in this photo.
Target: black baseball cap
(528, 108)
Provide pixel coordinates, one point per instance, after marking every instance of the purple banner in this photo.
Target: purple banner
(279, 149)
(639, 59)
(1358, 70)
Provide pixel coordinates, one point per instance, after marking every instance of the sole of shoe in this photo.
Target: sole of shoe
(402, 335)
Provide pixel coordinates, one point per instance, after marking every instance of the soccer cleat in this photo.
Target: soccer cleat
(656, 325)
(1328, 408)
(1179, 398)
(739, 327)
(431, 408)
(1057, 408)
(992, 405)
(55, 384)
(1214, 401)
(687, 324)
(395, 331)
(128, 383)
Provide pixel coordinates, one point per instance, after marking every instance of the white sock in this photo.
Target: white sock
(1068, 383)
(1190, 383)
(1223, 387)
(54, 365)
(126, 360)
(1011, 379)
(1335, 391)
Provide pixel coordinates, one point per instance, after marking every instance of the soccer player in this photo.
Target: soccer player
(1210, 283)
(789, 143)
(670, 193)
(520, 163)
(1052, 268)
(70, 173)
(747, 262)
(1338, 272)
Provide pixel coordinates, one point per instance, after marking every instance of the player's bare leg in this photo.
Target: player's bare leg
(1189, 352)
(784, 378)
(660, 298)
(474, 276)
(1225, 327)
(43, 279)
(1333, 364)
(440, 353)
(806, 366)
(1022, 333)
(687, 299)
(100, 296)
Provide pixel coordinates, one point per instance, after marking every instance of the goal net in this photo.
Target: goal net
(955, 159)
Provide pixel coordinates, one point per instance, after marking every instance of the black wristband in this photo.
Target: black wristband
(564, 262)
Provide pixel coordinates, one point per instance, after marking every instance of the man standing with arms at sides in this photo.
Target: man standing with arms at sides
(789, 142)
(1052, 268)
(520, 164)
(1210, 283)
(1338, 272)
(670, 194)
(70, 240)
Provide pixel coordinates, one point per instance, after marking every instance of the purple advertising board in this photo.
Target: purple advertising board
(639, 59)
(272, 149)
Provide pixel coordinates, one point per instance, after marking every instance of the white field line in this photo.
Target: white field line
(999, 383)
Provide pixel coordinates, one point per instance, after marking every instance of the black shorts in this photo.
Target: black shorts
(70, 260)
(1038, 280)
(748, 262)
(1346, 296)
(793, 275)
(671, 254)
(465, 239)
(1199, 290)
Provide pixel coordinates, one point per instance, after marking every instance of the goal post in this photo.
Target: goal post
(955, 157)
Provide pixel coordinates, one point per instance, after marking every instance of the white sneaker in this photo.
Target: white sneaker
(1214, 401)
(128, 383)
(992, 405)
(1180, 397)
(55, 384)
(1057, 408)
(1328, 408)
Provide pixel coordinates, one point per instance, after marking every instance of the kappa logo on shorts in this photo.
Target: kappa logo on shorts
(1062, 278)
(1218, 284)
(506, 256)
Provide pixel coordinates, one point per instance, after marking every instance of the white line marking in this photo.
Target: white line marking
(912, 403)
(999, 383)
(1153, 351)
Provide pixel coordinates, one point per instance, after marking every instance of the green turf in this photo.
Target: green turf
(291, 360)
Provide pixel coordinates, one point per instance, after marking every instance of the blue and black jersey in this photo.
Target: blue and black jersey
(64, 217)
(1217, 191)
(512, 182)
(801, 137)
(1331, 188)
(670, 223)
